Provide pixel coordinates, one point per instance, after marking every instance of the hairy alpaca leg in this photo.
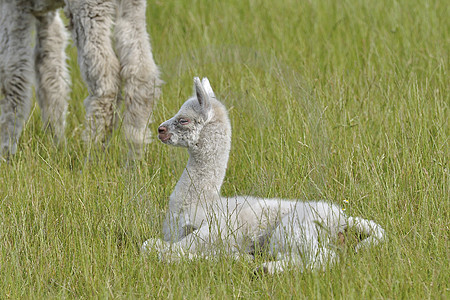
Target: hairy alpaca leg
(366, 227)
(16, 73)
(52, 77)
(139, 72)
(90, 23)
(197, 244)
(296, 243)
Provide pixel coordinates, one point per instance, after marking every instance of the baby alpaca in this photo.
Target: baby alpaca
(201, 223)
(102, 67)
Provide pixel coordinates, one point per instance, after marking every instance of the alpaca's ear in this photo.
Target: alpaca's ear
(208, 88)
(202, 95)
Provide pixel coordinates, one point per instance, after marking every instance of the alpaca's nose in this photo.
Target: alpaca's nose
(162, 129)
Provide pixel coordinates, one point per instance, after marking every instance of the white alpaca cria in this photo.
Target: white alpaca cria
(102, 67)
(201, 223)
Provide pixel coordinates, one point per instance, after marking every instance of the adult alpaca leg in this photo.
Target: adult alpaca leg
(52, 77)
(16, 73)
(139, 72)
(90, 23)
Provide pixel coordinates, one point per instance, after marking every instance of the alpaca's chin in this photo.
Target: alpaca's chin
(165, 138)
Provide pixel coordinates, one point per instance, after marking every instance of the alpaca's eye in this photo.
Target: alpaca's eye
(183, 121)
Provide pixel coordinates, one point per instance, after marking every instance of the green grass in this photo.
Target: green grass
(328, 99)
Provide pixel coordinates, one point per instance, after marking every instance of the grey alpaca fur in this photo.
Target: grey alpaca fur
(102, 67)
(201, 223)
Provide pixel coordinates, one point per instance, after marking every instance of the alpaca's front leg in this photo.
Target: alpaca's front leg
(90, 23)
(52, 77)
(139, 72)
(194, 245)
(166, 251)
(16, 73)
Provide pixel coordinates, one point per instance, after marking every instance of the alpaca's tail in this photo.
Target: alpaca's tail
(374, 231)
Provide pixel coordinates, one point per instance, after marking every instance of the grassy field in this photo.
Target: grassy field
(337, 100)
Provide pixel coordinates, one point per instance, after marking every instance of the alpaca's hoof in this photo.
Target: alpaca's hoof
(151, 244)
(260, 272)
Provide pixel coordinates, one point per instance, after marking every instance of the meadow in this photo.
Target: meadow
(337, 100)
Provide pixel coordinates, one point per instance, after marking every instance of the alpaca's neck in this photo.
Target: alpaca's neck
(208, 168)
(205, 171)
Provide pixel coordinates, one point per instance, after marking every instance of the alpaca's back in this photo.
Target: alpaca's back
(258, 215)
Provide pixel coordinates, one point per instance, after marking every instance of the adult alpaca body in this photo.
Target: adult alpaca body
(202, 223)
(103, 68)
